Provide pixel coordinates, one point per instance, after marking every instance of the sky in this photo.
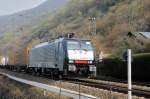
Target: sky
(12, 6)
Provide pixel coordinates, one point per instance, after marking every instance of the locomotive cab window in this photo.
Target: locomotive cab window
(86, 45)
(72, 45)
(79, 45)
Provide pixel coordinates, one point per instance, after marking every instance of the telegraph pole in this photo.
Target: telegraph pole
(92, 25)
(127, 56)
(129, 75)
(129, 60)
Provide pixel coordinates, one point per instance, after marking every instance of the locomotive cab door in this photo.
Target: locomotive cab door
(60, 57)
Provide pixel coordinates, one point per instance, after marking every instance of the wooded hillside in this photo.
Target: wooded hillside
(114, 19)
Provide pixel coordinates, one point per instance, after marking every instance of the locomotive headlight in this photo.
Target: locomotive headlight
(70, 61)
(90, 62)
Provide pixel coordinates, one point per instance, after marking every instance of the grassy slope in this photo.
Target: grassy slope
(10, 89)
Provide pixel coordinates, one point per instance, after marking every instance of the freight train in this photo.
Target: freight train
(62, 56)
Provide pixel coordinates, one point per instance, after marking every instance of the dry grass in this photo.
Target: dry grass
(10, 89)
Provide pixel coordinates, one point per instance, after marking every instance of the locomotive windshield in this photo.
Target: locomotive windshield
(86, 45)
(79, 45)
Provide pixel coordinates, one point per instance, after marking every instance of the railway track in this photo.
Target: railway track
(107, 86)
(137, 83)
(111, 87)
(146, 84)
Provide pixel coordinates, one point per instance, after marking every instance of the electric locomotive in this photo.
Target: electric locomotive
(63, 56)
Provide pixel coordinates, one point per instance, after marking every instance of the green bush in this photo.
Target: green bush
(118, 68)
